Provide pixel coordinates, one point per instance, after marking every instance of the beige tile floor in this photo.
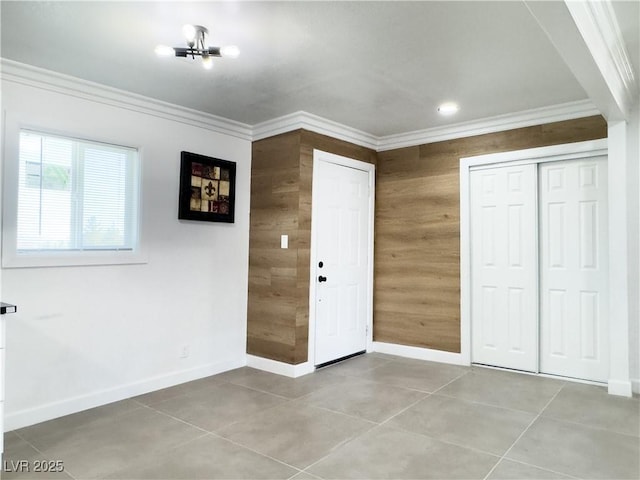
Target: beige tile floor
(370, 417)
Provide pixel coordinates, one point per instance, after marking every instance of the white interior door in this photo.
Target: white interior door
(2, 370)
(574, 269)
(2, 328)
(504, 296)
(341, 229)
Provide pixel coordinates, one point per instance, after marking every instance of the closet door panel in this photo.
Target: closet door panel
(504, 296)
(574, 269)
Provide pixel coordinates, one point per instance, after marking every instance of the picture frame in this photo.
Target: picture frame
(207, 188)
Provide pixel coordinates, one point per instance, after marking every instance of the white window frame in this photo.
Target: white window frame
(12, 257)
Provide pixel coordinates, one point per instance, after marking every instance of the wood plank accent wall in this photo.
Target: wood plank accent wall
(281, 180)
(272, 303)
(417, 239)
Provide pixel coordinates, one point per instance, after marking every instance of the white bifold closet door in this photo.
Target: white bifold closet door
(539, 267)
(574, 330)
(504, 296)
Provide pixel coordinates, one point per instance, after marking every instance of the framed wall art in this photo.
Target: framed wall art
(207, 188)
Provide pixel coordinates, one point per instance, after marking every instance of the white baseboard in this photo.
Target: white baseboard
(420, 353)
(620, 387)
(280, 368)
(615, 387)
(31, 416)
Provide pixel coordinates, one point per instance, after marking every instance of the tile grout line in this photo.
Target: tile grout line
(255, 389)
(301, 401)
(327, 409)
(223, 426)
(287, 400)
(373, 382)
(427, 394)
(542, 468)
(233, 442)
(449, 383)
(203, 434)
(590, 427)
(43, 454)
(358, 372)
(564, 384)
(337, 412)
(485, 404)
(149, 461)
(90, 422)
(224, 382)
(440, 440)
(217, 435)
(447, 442)
(339, 445)
(504, 455)
(372, 427)
(258, 412)
(165, 414)
(334, 448)
(377, 425)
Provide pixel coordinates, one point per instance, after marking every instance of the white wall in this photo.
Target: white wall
(633, 193)
(85, 336)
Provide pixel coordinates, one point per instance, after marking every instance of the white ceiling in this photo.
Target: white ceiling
(380, 67)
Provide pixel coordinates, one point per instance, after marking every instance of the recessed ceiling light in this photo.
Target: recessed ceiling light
(448, 108)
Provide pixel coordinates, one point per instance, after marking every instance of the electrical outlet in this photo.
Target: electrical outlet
(184, 351)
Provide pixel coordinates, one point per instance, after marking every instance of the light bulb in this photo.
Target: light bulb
(448, 108)
(207, 62)
(189, 31)
(230, 51)
(164, 51)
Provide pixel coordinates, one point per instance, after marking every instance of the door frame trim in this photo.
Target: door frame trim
(321, 156)
(538, 155)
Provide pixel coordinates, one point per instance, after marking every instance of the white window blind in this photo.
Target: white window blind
(75, 195)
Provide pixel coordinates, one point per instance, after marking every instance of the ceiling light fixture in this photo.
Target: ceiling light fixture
(448, 108)
(195, 36)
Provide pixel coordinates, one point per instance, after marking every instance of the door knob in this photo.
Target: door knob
(322, 279)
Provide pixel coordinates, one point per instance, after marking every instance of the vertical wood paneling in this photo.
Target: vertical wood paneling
(272, 299)
(417, 243)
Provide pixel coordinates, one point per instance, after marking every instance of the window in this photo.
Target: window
(75, 198)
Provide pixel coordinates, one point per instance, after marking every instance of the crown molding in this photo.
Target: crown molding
(29, 75)
(527, 118)
(314, 123)
(38, 77)
(597, 23)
